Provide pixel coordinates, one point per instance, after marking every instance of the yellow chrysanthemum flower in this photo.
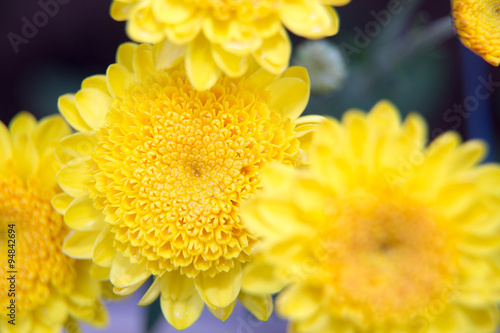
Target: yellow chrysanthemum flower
(217, 35)
(476, 23)
(381, 234)
(45, 289)
(155, 176)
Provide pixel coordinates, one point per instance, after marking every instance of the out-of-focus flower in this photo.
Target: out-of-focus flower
(48, 290)
(155, 176)
(224, 36)
(325, 64)
(476, 23)
(382, 234)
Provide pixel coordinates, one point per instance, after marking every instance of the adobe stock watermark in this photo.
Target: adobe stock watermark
(30, 26)
(372, 29)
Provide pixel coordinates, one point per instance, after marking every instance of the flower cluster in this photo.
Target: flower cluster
(191, 165)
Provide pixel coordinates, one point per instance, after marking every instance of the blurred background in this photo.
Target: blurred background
(402, 50)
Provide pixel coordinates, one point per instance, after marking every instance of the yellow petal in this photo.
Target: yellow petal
(231, 64)
(182, 314)
(260, 306)
(201, 68)
(124, 273)
(119, 10)
(26, 157)
(104, 251)
(142, 25)
(298, 302)
(468, 155)
(80, 244)
(274, 54)
(73, 177)
(309, 19)
(222, 289)
(96, 81)
(99, 273)
(263, 78)
(125, 55)
(125, 291)
(54, 312)
(172, 11)
(258, 279)
(61, 201)
(152, 294)
(80, 144)
(118, 79)
(298, 72)
(289, 96)
(93, 105)
(66, 105)
(81, 215)
(185, 32)
(415, 130)
(85, 290)
(176, 286)
(23, 123)
(384, 116)
(49, 132)
(223, 313)
(167, 54)
(143, 62)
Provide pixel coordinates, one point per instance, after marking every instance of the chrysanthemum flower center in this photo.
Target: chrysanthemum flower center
(389, 255)
(39, 231)
(173, 164)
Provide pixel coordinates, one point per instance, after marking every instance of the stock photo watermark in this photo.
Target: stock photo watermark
(31, 25)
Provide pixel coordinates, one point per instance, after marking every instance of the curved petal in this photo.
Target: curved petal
(80, 144)
(96, 81)
(81, 215)
(23, 123)
(274, 53)
(167, 54)
(61, 201)
(26, 157)
(73, 177)
(288, 96)
(152, 294)
(118, 79)
(49, 132)
(93, 105)
(182, 313)
(258, 279)
(124, 273)
(222, 289)
(104, 251)
(260, 306)
(201, 68)
(231, 64)
(172, 11)
(80, 244)
(223, 313)
(309, 19)
(143, 62)
(125, 55)
(67, 107)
